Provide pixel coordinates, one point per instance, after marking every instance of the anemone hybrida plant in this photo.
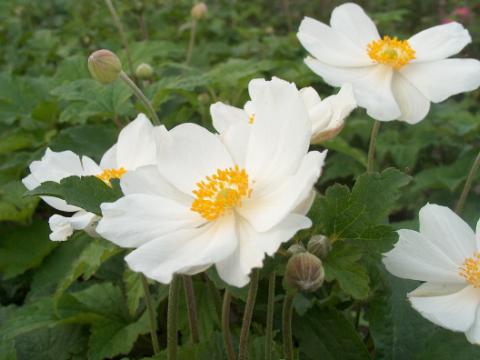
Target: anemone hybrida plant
(225, 200)
(327, 116)
(135, 147)
(445, 254)
(393, 79)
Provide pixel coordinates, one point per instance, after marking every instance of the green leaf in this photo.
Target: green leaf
(23, 248)
(14, 206)
(326, 333)
(87, 192)
(133, 289)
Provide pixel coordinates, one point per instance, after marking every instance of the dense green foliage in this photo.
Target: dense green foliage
(78, 300)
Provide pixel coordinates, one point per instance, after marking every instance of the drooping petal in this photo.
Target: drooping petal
(189, 154)
(455, 311)
(267, 207)
(438, 80)
(253, 245)
(331, 46)
(416, 257)
(224, 116)
(371, 85)
(350, 20)
(413, 104)
(136, 219)
(280, 134)
(439, 42)
(136, 144)
(184, 250)
(62, 227)
(473, 334)
(448, 232)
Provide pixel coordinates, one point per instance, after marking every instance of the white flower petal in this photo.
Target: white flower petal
(134, 220)
(438, 80)
(454, 311)
(473, 334)
(189, 154)
(253, 245)
(439, 42)
(136, 144)
(448, 232)
(330, 46)
(416, 257)
(62, 227)
(224, 116)
(477, 235)
(109, 159)
(304, 206)
(310, 97)
(90, 167)
(350, 20)
(280, 134)
(371, 86)
(184, 250)
(413, 104)
(235, 139)
(269, 207)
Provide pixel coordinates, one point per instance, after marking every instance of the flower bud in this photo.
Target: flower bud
(104, 66)
(304, 272)
(199, 11)
(296, 249)
(319, 245)
(203, 98)
(144, 71)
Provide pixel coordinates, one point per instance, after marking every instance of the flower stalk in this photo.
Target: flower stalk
(172, 315)
(227, 336)
(247, 315)
(152, 314)
(191, 41)
(371, 148)
(287, 325)
(270, 312)
(192, 308)
(468, 184)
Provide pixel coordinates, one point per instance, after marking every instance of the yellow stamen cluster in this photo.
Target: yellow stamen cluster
(109, 174)
(251, 118)
(391, 51)
(220, 192)
(470, 270)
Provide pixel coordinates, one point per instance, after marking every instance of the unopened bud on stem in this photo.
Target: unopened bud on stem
(199, 11)
(319, 245)
(144, 71)
(304, 272)
(296, 249)
(104, 66)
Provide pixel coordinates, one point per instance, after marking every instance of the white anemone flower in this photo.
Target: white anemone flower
(445, 253)
(226, 200)
(135, 147)
(391, 78)
(326, 116)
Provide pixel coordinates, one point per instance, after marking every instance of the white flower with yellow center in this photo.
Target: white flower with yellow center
(135, 147)
(446, 255)
(225, 200)
(391, 78)
(326, 116)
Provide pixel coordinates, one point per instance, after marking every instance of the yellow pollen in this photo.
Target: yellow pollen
(391, 51)
(219, 192)
(108, 174)
(470, 270)
(251, 118)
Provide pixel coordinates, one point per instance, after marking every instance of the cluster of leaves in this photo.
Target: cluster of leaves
(78, 300)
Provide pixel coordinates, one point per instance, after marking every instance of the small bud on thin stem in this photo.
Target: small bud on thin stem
(104, 66)
(144, 71)
(304, 272)
(319, 245)
(199, 11)
(296, 249)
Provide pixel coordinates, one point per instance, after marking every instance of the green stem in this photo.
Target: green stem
(287, 326)
(227, 336)
(191, 42)
(371, 148)
(270, 311)
(172, 314)
(152, 315)
(121, 31)
(468, 184)
(217, 300)
(139, 94)
(192, 308)
(247, 316)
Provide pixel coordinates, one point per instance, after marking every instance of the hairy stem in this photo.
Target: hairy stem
(192, 308)
(139, 94)
(247, 316)
(191, 42)
(152, 315)
(468, 184)
(227, 336)
(287, 326)
(371, 148)
(172, 314)
(270, 311)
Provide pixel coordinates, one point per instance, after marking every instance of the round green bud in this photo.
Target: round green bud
(199, 11)
(296, 248)
(319, 245)
(304, 272)
(104, 66)
(144, 71)
(203, 98)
